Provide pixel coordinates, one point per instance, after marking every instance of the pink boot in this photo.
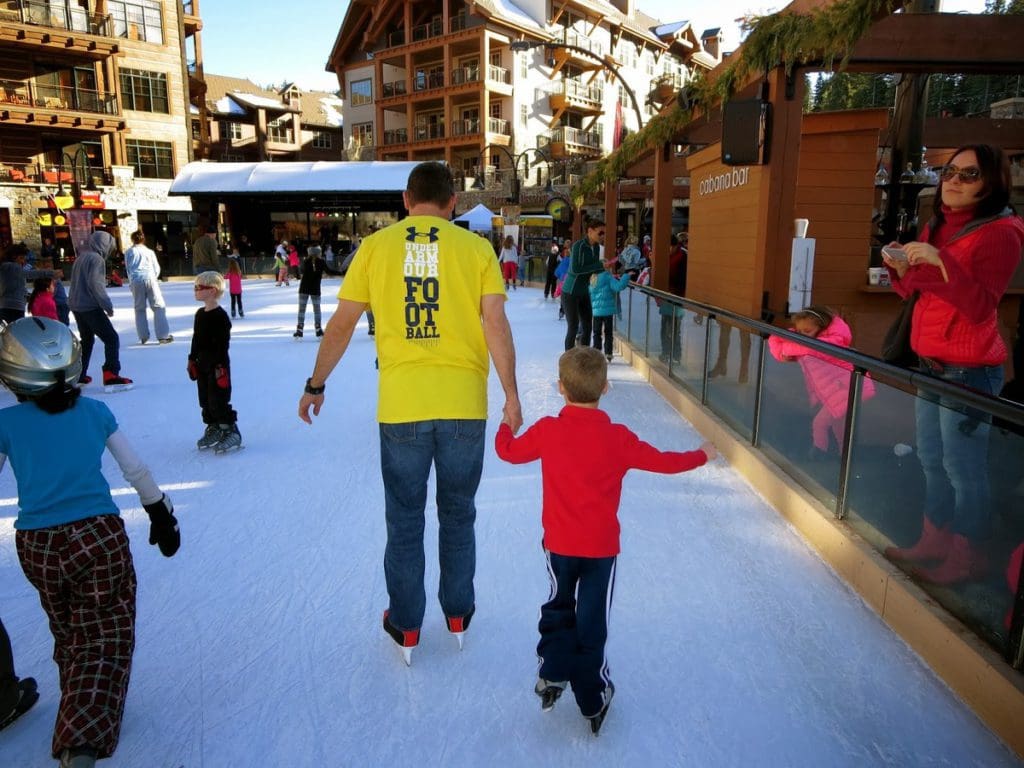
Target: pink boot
(933, 545)
(962, 563)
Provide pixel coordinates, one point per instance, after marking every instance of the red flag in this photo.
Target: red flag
(617, 130)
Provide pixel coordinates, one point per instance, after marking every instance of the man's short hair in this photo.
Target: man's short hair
(583, 372)
(430, 182)
(138, 237)
(595, 223)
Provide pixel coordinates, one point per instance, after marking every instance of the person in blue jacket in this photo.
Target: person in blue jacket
(603, 289)
(70, 538)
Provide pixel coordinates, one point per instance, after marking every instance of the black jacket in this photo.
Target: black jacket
(313, 269)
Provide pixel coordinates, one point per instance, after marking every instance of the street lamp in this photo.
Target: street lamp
(605, 61)
(514, 159)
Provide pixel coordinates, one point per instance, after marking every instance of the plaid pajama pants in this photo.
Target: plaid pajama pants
(86, 582)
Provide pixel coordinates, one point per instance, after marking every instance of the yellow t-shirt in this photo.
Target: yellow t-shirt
(423, 279)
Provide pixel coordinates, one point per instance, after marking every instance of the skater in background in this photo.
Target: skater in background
(827, 379)
(16, 695)
(234, 276)
(605, 288)
(509, 258)
(144, 282)
(581, 525)
(550, 265)
(40, 301)
(313, 269)
(93, 309)
(281, 266)
(60, 294)
(584, 261)
(70, 538)
(13, 274)
(293, 261)
(210, 367)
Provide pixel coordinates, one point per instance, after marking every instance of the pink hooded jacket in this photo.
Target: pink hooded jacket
(827, 379)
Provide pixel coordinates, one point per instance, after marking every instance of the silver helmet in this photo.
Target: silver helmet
(35, 351)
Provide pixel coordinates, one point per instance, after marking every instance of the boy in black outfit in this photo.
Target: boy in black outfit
(16, 695)
(210, 368)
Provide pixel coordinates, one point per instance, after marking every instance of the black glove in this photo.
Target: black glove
(163, 527)
(193, 369)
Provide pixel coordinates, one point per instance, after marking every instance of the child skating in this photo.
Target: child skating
(70, 538)
(581, 526)
(210, 368)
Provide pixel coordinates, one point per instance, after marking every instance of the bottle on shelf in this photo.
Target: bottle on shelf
(881, 176)
(907, 176)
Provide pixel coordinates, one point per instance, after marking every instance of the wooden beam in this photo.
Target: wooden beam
(953, 131)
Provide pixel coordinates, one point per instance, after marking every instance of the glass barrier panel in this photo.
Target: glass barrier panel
(731, 391)
(652, 349)
(939, 490)
(637, 308)
(683, 333)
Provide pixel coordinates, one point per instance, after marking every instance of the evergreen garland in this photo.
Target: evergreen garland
(782, 39)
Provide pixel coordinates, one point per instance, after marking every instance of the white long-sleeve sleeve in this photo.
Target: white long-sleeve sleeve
(135, 472)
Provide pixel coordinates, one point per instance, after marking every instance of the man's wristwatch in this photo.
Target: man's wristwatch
(311, 390)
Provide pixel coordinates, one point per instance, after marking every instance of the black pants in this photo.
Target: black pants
(10, 315)
(215, 400)
(574, 626)
(603, 328)
(236, 304)
(9, 693)
(550, 283)
(578, 319)
(93, 323)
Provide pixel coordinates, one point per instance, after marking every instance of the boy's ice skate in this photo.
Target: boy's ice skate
(210, 438)
(231, 439)
(549, 693)
(78, 757)
(113, 382)
(597, 720)
(458, 625)
(28, 695)
(407, 639)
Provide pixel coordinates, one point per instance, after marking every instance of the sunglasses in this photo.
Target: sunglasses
(966, 175)
(203, 288)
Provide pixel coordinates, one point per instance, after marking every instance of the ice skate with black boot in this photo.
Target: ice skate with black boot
(549, 691)
(115, 382)
(210, 438)
(78, 757)
(458, 625)
(27, 696)
(231, 439)
(596, 721)
(407, 639)
(298, 334)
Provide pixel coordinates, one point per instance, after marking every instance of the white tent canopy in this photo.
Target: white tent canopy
(201, 178)
(478, 218)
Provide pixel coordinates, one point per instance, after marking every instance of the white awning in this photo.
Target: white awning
(202, 178)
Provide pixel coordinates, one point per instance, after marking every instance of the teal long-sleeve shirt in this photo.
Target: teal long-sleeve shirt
(585, 260)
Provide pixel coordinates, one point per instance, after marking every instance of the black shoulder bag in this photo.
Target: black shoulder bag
(896, 343)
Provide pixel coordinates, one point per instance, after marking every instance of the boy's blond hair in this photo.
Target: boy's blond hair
(583, 372)
(211, 278)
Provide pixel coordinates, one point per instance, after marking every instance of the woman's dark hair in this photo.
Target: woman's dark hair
(57, 399)
(39, 285)
(995, 176)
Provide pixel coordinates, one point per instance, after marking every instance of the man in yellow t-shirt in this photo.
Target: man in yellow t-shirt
(438, 300)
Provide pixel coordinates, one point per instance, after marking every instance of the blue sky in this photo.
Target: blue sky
(259, 46)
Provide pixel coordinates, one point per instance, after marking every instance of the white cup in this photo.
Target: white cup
(801, 225)
(875, 275)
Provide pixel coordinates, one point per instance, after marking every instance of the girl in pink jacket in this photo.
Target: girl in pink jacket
(827, 379)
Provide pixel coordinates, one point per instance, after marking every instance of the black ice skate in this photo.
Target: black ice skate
(231, 439)
(407, 639)
(458, 625)
(549, 693)
(27, 696)
(597, 720)
(297, 335)
(210, 438)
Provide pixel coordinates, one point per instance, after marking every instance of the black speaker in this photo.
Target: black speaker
(744, 126)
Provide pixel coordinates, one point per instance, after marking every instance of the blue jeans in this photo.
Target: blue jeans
(952, 445)
(93, 323)
(455, 448)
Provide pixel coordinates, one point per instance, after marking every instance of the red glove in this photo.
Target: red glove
(222, 376)
(193, 370)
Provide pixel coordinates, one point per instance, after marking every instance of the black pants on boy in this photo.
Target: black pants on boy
(215, 396)
(574, 626)
(9, 693)
(550, 283)
(603, 328)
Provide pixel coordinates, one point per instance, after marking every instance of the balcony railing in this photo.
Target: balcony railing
(577, 136)
(458, 22)
(396, 136)
(395, 88)
(462, 75)
(57, 16)
(498, 74)
(38, 174)
(61, 97)
(499, 126)
(572, 37)
(574, 89)
(396, 38)
(426, 31)
(467, 127)
(425, 81)
(428, 132)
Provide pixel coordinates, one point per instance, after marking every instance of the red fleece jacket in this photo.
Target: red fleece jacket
(583, 458)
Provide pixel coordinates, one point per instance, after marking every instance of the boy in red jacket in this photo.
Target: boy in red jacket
(581, 525)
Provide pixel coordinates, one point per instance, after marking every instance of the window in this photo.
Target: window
(361, 93)
(230, 157)
(362, 134)
(139, 20)
(197, 131)
(280, 130)
(523, 115)
(524, 67)
(151, 159)
(230, 130)
(495, 109)
(321, 140)
(144, 91)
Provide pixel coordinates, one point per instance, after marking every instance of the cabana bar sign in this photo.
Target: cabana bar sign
(737, 177)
